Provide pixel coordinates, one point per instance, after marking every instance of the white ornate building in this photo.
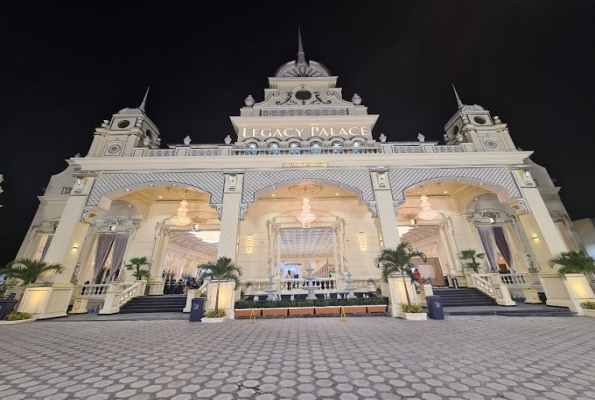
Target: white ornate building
(245, 200)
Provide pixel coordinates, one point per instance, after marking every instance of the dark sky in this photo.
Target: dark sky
(66, 66)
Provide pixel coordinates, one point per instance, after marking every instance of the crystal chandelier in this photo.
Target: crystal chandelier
(306, 217)
(426, 210)
(182, 218)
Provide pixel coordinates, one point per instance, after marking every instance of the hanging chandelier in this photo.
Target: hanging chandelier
(182, 218)
(426, 209)
(306, 217)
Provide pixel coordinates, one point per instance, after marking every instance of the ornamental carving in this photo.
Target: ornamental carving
(185, 193)
(305, 190)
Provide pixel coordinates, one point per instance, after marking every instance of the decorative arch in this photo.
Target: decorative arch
(499, 180)
(357, 180)
(108, 187)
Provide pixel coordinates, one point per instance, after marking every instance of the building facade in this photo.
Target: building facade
(304, 182)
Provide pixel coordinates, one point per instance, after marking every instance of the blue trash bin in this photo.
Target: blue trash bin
(435, 309)
(196, 309)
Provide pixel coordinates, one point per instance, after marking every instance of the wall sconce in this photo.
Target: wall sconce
(492, 220)
(249, 243)
(112, 228)
(75, 248)
(362, 241)
(535, 237)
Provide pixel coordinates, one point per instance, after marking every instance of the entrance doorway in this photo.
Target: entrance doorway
(302, 247)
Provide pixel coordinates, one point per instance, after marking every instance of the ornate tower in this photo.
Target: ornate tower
(474, 124)
(128, 128)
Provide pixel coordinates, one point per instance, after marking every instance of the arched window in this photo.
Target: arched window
(252, 145)
(316, 148)
(357, 147)
(337, 147)
(273, 148)
(294, 147)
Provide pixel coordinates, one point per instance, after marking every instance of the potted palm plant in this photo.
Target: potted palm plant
(576, 262)
(472, 256)
(398, 260)
(138, 263)
(223, 270)
(27, 271)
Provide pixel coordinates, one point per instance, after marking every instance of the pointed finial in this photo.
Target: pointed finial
(144, 103)
(459, 102)
(301, 56)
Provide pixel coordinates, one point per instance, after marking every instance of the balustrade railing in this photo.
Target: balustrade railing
(447, 149)
(515, 279)
(93, 290)
(306, 151)
(336, 283)
(483, 282)
(128, 293)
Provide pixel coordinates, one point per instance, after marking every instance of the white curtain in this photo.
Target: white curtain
(46, 246)
(104, 245)
(487, 239)
(120, 243)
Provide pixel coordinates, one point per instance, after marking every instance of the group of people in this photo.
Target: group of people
(180, 286)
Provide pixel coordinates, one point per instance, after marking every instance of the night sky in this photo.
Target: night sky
(68, 66)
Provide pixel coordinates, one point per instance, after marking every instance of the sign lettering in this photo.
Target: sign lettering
(305, 133)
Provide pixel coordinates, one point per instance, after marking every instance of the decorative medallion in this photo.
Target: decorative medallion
(185, 193)
(305, 190)
(423, 188)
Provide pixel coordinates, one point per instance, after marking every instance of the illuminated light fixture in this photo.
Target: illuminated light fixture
(182, 218)
(535, 237)
(75, 247)
(249, 243)
(306, 217)
(362, 240)
(426, 209)
(159, 197)
(273, 195)
(446, 192)
(207, 236)
(336, 194)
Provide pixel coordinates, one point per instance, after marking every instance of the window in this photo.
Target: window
(357, 147)
(275, 148)
(294, 148)
(337, 147)
(252, 145)
(316, 148)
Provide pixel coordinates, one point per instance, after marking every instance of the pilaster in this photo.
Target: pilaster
(230, 215)
(385, 208)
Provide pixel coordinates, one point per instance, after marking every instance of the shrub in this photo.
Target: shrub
(17, 316)
(216, 314)
(411, 308)
(589, 305)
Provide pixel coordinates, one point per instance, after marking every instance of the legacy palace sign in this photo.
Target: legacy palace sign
(305, 132)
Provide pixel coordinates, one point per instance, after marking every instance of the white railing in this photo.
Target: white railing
(406, 149)
(447, 149)
(128, 293)
(515, 279)
(306, 151)
(289, 285)
(93, 290)
(161, 152)
(483, 282)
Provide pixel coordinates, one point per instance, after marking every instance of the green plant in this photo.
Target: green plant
(29, 270)
(138, 263)
(589, 305)
(13, 316)
(378, 291)
(411, 308)
(223, 270)
(399, 260)
(574, 262)
(472, 255)
(215, 314)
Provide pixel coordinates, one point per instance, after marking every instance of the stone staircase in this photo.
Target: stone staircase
(154, 304)
(463, 297)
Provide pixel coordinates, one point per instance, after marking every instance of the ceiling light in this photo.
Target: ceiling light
(426, 209)
(273, 195)
(336, 194)
(306, 217)
(182, 218)
(159, 197)
(446, 192)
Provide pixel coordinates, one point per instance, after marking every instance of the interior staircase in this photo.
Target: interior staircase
(154, 304)
(463, 297)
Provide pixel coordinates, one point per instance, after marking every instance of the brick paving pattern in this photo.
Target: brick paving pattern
(305, 358)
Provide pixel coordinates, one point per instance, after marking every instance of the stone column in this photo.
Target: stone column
(230, 216)
(51, 296)
(278, 255)
(385, 208)
(447, 249)
(539, 226)
(335, 258)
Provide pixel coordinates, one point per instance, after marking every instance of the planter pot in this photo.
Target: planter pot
(328, 310)
(379, 308)
(247, 312)
(274, 312)
(589, 313)
(22, 321)
(301, 311)
(213, 320)
(414, 316)
(6, 307)
(355, 309)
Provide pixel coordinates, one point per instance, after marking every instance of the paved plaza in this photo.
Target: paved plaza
(303, 358)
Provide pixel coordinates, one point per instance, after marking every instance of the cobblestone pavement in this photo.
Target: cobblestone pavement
(305, 358)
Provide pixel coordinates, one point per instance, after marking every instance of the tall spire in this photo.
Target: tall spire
(459, 102)
(144, 103)
(301, 56)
